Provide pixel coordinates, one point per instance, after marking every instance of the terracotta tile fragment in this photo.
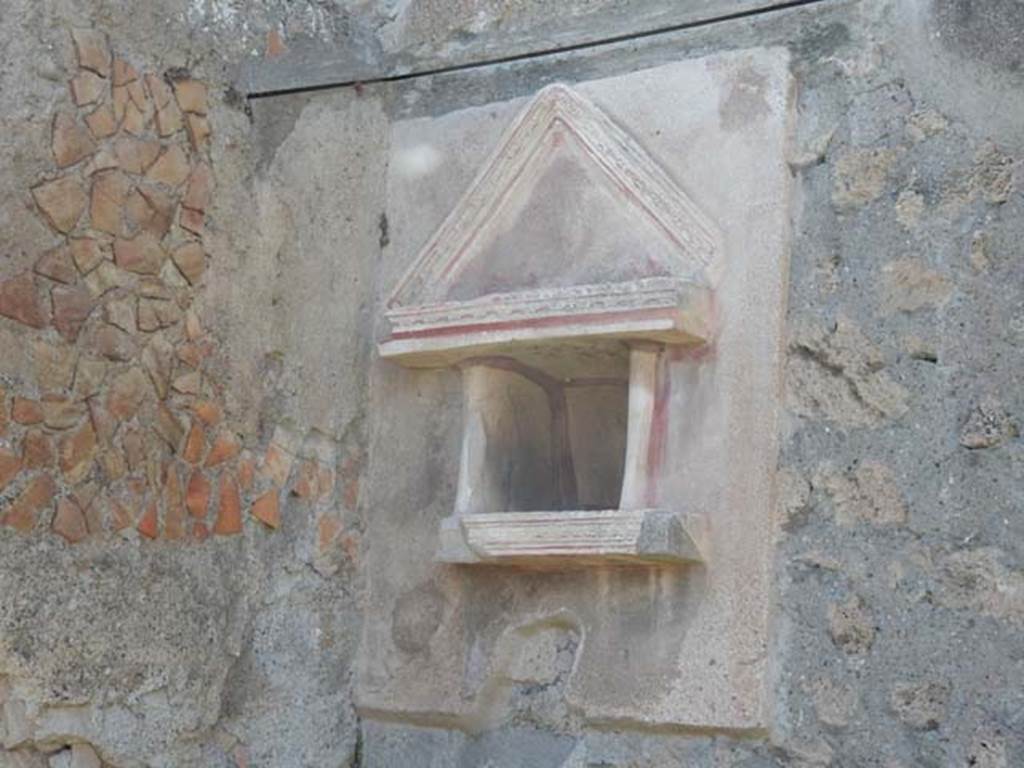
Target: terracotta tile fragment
(328, 527)
(171, 168)
(174, 506)
(246, 472)
(154, 314)
(195, 444)
(60, 412)
(23, 512)
(161, 211)
(142, 254)
(54, 365)
(277, 465)
(188, 383)
(92, 50)
(76, 452)
(197, 496)
(72, 306)
(136, 155)
(112, 464)
(56, 265)
(193, 330)
(168, 120)
(199, 531)
(169, 427)
(70, 142)
(120, 516)
(19, 300)
(308, 481)
(209, 412)
(25, 411)
(120, 101)
(86, 253)
(139, 96)
(200, 188)
(103, 423)
(103, 160)
(198, 131)
(127, 393)
(135, 120)
(61, 202)
(10, 466)
(190, 261)
(124, 72)
(69, 521)
(192, 221)
(267, 510)
(134, 449)
(37, 451)
(149, 523)
(101, 122)
(191, 96)
(159, 89)
(158, 360)
(109, 190)
(275, 44)
(229, 512)
(225, 447)
(87, 88)
(113, 343)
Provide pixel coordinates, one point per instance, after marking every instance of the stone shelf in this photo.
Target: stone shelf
(569, 538)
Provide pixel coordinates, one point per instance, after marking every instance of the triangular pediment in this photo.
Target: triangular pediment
(568, 214)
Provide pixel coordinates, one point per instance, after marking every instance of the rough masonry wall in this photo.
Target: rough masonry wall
(900, 566)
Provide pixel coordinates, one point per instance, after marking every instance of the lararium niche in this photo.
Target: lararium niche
(605, 268)
(570, 272)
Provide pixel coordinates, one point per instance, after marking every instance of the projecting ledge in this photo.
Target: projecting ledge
(569, 539)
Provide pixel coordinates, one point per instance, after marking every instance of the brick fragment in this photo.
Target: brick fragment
(199, 531)
(246, 472)
(92, 50)
(87, 88)
(142, 254)
(37, 451)
(171, 168)
(225, 447)
(69, 521)
(191, 96)
(76, 453)
(72, 306)
(161, 212)
(267, 510)
(23, 512)
(200, 188)
(61, 202)
(86, 253)
(103, 160)
(229, 511)
(10, 466)
(123, 72)
(120, 101)
(109, 190)
(56, 264)
(134, 449)
(190, 261)
(70, 142)
(103, 423)
(168, 120)
(25, 411)
(149, 523)
(197, 496)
